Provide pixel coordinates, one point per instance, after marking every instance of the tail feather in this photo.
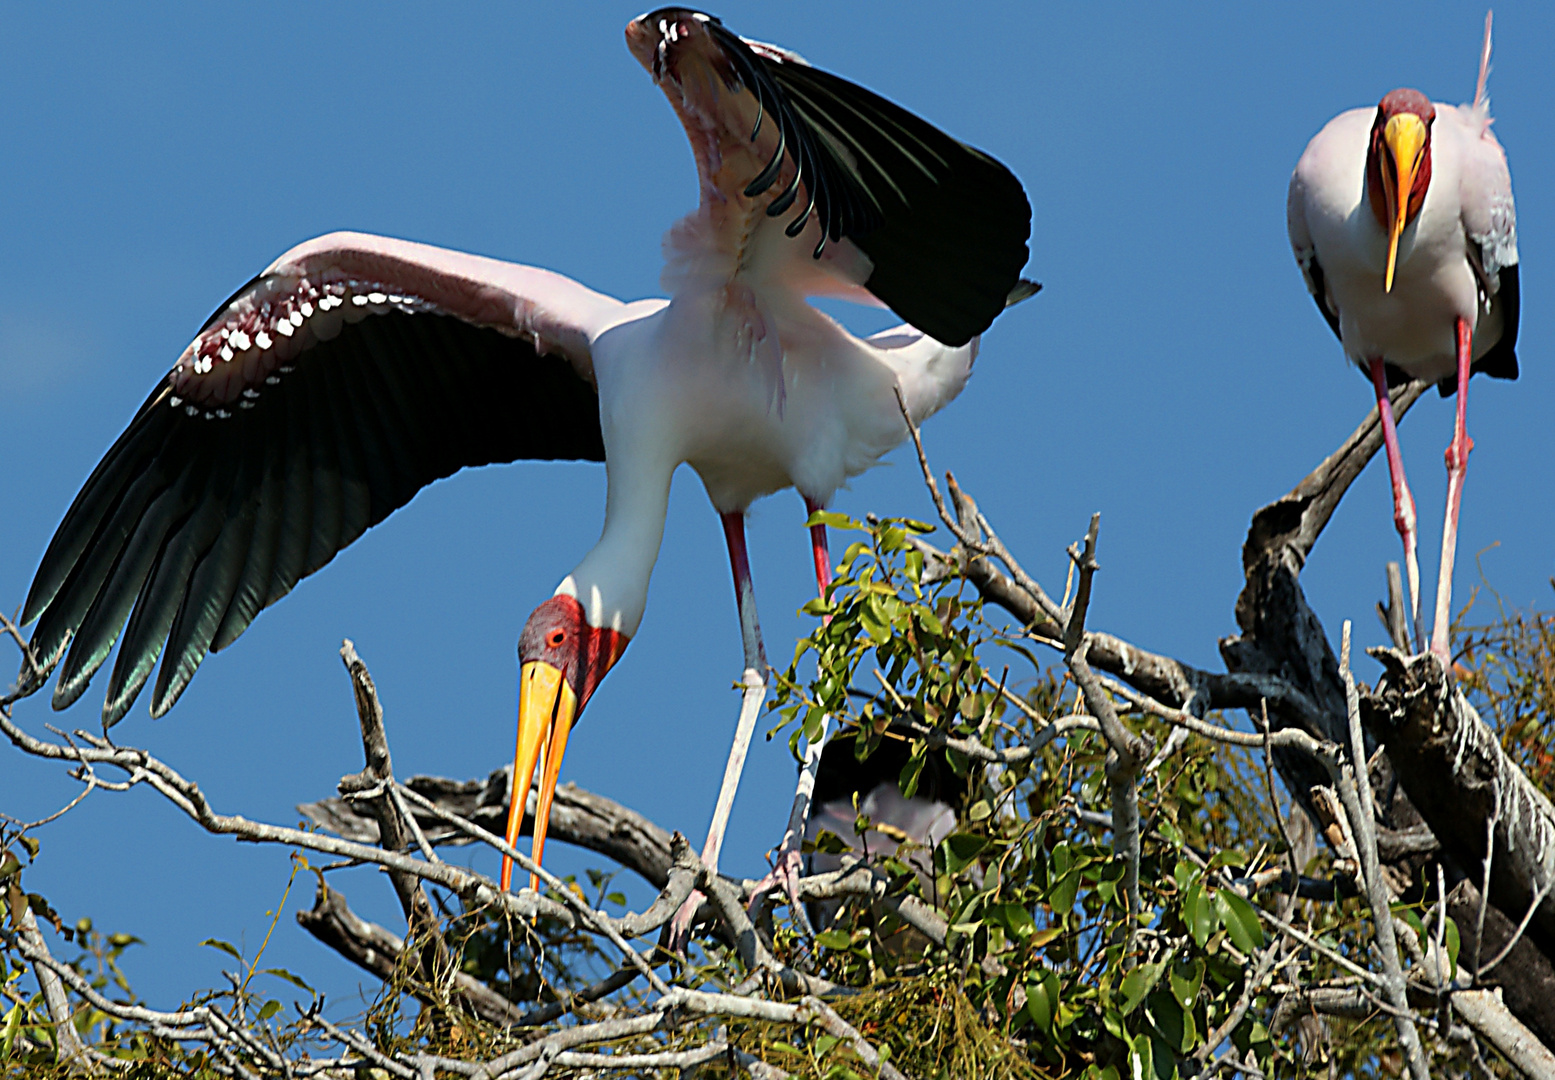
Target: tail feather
(1481, 98)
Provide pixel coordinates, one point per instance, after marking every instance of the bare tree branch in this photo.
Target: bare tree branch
(1350, 777)
(1465, 787)
(374, 786)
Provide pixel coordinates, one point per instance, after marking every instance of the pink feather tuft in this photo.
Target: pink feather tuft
(1481, 104)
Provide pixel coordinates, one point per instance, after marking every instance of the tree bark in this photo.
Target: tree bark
(577, 817)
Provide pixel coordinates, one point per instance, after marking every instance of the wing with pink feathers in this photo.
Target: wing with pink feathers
(328, 391)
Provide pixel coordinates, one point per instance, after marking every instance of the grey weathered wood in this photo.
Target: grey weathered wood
(1459, 779)
(377, 950)
(577, 817)
(424, 928)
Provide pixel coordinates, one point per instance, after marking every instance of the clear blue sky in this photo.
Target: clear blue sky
(1173, 375)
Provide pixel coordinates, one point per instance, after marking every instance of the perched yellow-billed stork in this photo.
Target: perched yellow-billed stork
(357, 369)
(1403, 224)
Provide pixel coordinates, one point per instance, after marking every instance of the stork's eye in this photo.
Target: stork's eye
(555, 638)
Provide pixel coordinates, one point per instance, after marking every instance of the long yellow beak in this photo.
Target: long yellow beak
(547, 708)
(1405, 136)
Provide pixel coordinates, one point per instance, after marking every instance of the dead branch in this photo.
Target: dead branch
(377, 950)
(1487, 1015)
(1349, 776)
(1466, 788)
(1525, 975)
(374, 786)
(578, 817)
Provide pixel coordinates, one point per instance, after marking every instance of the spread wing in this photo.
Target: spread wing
(943, 226)
(328, 391)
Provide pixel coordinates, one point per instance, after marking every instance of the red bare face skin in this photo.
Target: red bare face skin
(559, 635)
(1379, 161)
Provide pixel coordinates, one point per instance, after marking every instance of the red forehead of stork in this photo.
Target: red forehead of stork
(1406, 101)
(1377, 159)
(558, 633)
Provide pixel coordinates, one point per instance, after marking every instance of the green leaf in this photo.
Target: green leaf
(1199, 913)
(1173, 1022)
(1061, 897)
(1014, 918)
(1138, 983)
(878, 630)
(827, 842)
(1042, 1002)
(833, 939)
(913, 770)
(226, 947)
(1453, 944)
(1239, 919)
(13, 1025)
(1112, 1020)
(30, 844)
(1185, 984)
(9, 864)
(831, 518)
(295, 980)
(269, 1009)
(1410, 916)
(960, 849)
(1142, 1060)
(1226, 857)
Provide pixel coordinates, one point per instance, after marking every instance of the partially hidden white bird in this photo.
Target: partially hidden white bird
(357, 369)
(1402, 220)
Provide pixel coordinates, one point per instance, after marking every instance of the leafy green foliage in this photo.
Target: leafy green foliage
(1042, 972)
(1039, 941)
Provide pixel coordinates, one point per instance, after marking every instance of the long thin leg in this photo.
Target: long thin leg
(1403, 501)
(789, 862)
(754, 681)
(1457, 465)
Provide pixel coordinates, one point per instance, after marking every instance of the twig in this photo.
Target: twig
(1533, 906)
(1355, 790)
(1484, 889)
(596, 920)
(421, 920)
(1274, 799)
(989, 544)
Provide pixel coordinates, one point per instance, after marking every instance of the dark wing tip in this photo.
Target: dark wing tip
(1024, 289)
(192, 524)
(944, 225)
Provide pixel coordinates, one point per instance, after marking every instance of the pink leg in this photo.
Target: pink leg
(1403, 501)
(818, 547)
(788, 865)
(754, 693)
(1457, 466)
